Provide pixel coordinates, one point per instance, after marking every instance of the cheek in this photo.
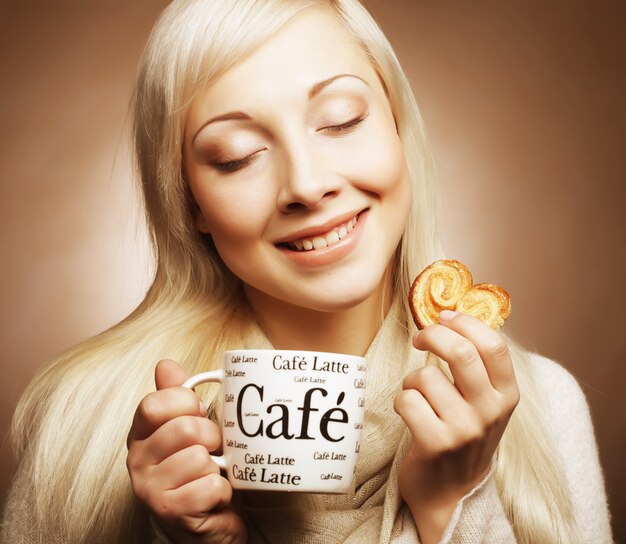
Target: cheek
(236, 227)
(381, 163)
(234, 214)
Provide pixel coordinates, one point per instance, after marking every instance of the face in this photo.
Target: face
(294, 160)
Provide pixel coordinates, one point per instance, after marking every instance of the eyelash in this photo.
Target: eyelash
(345, 126)
(233, 166)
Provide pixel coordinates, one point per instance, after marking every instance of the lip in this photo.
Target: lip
(320, 257)
(311, 232)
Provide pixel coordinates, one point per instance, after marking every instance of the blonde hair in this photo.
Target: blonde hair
(74, 417)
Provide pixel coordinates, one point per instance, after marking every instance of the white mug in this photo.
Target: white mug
(291, 420)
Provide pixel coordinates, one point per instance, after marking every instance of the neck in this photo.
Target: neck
(347, 331)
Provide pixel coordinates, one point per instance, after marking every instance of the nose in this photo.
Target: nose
(305, 183)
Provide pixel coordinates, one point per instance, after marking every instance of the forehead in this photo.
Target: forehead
(311, 47)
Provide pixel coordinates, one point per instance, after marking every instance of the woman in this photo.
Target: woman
(290, 195)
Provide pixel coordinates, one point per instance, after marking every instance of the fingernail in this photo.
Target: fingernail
(203, 409)
(446, 315)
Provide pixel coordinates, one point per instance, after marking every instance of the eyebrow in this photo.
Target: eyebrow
(239, 115)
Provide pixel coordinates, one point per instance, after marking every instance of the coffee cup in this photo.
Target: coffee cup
(291, 420)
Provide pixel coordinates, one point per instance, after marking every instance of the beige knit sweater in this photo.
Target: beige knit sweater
(373, 512)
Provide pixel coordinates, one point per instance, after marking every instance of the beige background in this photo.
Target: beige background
(524, 104)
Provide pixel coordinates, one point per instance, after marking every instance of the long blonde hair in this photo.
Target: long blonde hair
(73, 418)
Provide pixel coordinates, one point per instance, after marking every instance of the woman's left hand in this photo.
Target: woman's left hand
(455, 427)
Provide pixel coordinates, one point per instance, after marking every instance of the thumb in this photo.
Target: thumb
(168, 373)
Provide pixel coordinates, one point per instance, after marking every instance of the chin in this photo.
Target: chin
(335, 301)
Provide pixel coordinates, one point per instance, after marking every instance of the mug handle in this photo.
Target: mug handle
(216, 376)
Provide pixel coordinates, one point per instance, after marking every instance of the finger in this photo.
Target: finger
(466, 366)
(439, 391)
(492, 347)
(184, 466)
(158, 407)
(180, 433)
(202, 495)
(419, 417)
(168, 373)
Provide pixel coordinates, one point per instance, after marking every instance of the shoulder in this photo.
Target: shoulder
(554, 377)
(561, 398)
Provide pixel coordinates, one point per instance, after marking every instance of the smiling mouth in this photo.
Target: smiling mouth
(323, 240)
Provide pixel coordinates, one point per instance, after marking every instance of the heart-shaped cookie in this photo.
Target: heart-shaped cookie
(447, 285)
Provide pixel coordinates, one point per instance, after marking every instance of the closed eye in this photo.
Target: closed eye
(232, 166)
(346, 126)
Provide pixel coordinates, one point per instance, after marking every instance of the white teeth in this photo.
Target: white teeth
(332, 237)
(320, 242)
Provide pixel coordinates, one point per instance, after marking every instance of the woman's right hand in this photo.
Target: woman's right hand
(171, 469)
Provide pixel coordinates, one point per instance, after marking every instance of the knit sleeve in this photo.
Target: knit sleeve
(480, 517)
(571, 424)
(17, 523)
(480, 514)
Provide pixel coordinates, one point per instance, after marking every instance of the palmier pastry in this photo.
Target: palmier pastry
(447, 285)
